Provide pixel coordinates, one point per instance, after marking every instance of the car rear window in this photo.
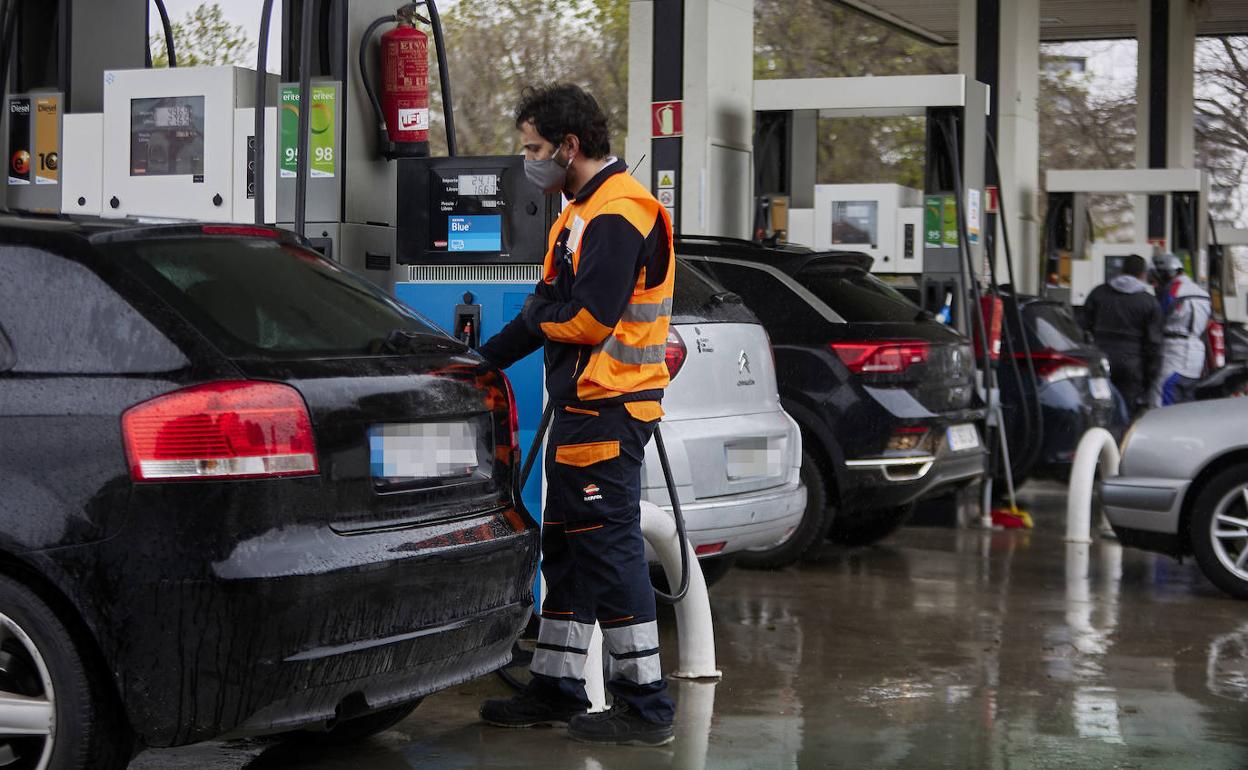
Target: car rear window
(699, 299)
(263, 298)
(1052, 326)
(859, 297)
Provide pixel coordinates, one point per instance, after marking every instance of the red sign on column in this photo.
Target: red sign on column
(666, 119)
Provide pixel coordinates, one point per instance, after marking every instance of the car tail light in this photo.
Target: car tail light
(906, 439)
(513, 414)
(881, 357)
(1217, 345)
(1052, 366)
(250, 231)
(235, 429)
(709, 549)
(674, 354)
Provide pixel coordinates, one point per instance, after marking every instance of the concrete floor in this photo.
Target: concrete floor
(936, 649)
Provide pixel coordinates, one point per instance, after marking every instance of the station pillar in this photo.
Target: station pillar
(691, 110)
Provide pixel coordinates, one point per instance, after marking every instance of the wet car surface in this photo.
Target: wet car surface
(940, 649)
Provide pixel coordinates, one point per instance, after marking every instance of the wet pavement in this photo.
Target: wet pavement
(936, 649)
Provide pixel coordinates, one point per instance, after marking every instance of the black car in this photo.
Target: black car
(1074, 392)
(219, 511)
(884, 394)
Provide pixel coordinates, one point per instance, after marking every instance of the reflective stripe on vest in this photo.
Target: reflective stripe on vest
(636, 356)
(647, 313)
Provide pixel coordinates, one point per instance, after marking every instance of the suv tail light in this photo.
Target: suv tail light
(1216, 336)
(881, 357)
(1052, 366)
(235, 429)
(513, 415)
(674, 355)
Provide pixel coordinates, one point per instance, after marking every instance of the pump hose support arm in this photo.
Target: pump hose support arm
(262, 104)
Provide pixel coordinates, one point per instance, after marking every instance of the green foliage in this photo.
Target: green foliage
(498, 48)
(204, 38)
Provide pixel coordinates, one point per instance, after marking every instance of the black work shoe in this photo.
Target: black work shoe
(526, 710)
(619, 725)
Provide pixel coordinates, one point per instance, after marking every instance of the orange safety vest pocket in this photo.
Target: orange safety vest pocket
(646, 411)
(575, 410)
(582, 455)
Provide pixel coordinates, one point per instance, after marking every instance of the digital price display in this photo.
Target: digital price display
(167, 136)
(478, 184)
(474, 232)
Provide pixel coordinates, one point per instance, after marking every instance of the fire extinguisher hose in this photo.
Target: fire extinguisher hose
(383, 135)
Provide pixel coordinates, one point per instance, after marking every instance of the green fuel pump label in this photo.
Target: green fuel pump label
(949, 236)
(933, 218)
(321, 123)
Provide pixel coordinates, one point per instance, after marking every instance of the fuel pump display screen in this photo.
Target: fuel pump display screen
(469, 211)
(167, 136)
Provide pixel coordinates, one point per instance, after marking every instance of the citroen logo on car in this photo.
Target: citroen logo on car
(743, 363)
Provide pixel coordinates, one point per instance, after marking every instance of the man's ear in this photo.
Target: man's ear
(572, 146)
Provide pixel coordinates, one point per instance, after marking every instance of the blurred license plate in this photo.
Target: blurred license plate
(1100, 389)
(754, 458)
(963, 437)
(423, 450)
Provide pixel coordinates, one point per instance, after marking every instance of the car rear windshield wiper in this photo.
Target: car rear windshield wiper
(404, 341)
(723, 298)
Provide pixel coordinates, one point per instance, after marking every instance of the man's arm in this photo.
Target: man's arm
(513, 343)
(610, 250)
(1151, 343)
(1087, 319)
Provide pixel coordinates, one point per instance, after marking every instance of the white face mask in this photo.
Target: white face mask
(547, 174)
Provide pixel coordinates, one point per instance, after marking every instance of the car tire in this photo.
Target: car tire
(40, 659)
(810, 531)
(1223, 560)
(357, 729)
(868, 527)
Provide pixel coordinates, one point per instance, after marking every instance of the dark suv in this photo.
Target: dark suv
(241, 491)
(884, 394)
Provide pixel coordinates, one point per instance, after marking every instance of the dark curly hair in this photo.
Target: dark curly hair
(559, 109)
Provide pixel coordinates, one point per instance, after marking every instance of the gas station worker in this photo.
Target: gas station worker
(1125, 321)
(601, 312)
(1187, 311)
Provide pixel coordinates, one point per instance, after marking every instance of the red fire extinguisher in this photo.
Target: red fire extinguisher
(402, 107)
(405, 89)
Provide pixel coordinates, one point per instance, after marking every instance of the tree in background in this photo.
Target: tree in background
(498, 48)
(204, 38)
(1222, 121)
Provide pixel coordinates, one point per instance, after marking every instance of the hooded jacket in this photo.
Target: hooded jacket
(1125, 321)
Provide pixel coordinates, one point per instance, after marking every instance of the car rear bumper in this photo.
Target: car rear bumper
(1145, 505)
(297, 625)
(889, 482)
(755, 520)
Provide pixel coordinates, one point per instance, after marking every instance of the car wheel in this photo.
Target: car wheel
(867, 527)
(1219, 531)
(359, 728)
(56, 710)
(809, 532)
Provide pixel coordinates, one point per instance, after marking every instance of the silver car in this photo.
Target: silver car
(735, 455)
(1182, 488)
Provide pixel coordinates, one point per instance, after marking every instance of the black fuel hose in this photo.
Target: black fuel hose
(444, 78)
(535, 449)
(949, 130)
(302, 161)
(8, 24)
(1034, 443)
(168, 27)
(262, 104)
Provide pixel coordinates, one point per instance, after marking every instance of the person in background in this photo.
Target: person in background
(1187, 311)
(1125, 322)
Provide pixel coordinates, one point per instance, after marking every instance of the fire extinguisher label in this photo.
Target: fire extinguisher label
(322, 125)
(412, 119)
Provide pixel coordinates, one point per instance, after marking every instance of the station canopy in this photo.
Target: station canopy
(936, 21)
